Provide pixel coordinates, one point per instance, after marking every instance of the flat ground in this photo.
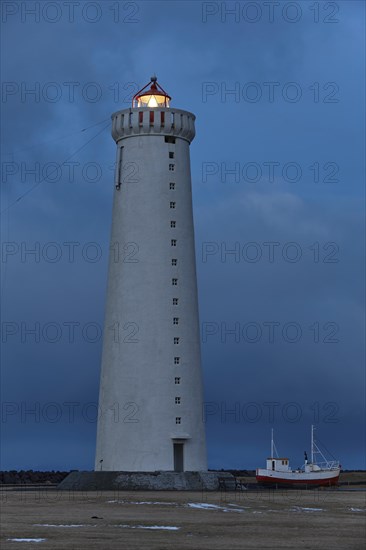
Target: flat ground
(317, 519)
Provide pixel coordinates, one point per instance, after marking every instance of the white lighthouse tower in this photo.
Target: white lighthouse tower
(150, 398)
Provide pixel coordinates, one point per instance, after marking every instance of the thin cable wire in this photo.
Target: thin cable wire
(56, 139)
(326, 450)
(43, 179)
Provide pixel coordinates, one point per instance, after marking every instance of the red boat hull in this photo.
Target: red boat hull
(327, 482)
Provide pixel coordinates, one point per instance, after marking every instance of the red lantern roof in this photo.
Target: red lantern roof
(155, 96)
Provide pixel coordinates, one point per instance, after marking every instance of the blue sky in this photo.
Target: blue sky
(277, 175)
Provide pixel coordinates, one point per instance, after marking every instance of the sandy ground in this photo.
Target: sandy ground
(134, 520)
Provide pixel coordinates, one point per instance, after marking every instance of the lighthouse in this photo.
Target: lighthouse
(151, 394)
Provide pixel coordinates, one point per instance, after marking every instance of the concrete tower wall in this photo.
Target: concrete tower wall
(141, 362)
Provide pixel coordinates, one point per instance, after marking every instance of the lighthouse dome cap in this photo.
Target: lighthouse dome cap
(151, 95)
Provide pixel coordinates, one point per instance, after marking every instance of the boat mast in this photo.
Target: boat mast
(312, 443)
(272, 443)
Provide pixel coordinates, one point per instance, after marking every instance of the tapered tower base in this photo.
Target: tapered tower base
(144, 481)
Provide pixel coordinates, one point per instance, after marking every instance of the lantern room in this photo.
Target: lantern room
(152, 95)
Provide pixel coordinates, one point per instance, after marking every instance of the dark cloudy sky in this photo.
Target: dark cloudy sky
(277, 174)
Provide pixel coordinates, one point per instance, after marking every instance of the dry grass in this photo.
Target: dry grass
(353, 477)
(263, 520)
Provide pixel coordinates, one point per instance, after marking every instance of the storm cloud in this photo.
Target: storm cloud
(277, 175)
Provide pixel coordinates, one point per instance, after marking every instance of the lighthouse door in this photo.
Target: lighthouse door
(178, 457)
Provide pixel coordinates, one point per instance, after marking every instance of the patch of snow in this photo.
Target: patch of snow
(27, 540)
(236, 505)
(300, 509)
(206, 506)
(141, 502)
(53, 525)
(154, 527)
(357, 509)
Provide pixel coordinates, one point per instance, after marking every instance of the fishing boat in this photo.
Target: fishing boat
(279, 472)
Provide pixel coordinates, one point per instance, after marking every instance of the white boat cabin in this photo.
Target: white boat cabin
(282, 465)
(278, 464)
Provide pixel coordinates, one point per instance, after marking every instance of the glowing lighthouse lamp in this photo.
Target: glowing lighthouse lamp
(155, 96)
